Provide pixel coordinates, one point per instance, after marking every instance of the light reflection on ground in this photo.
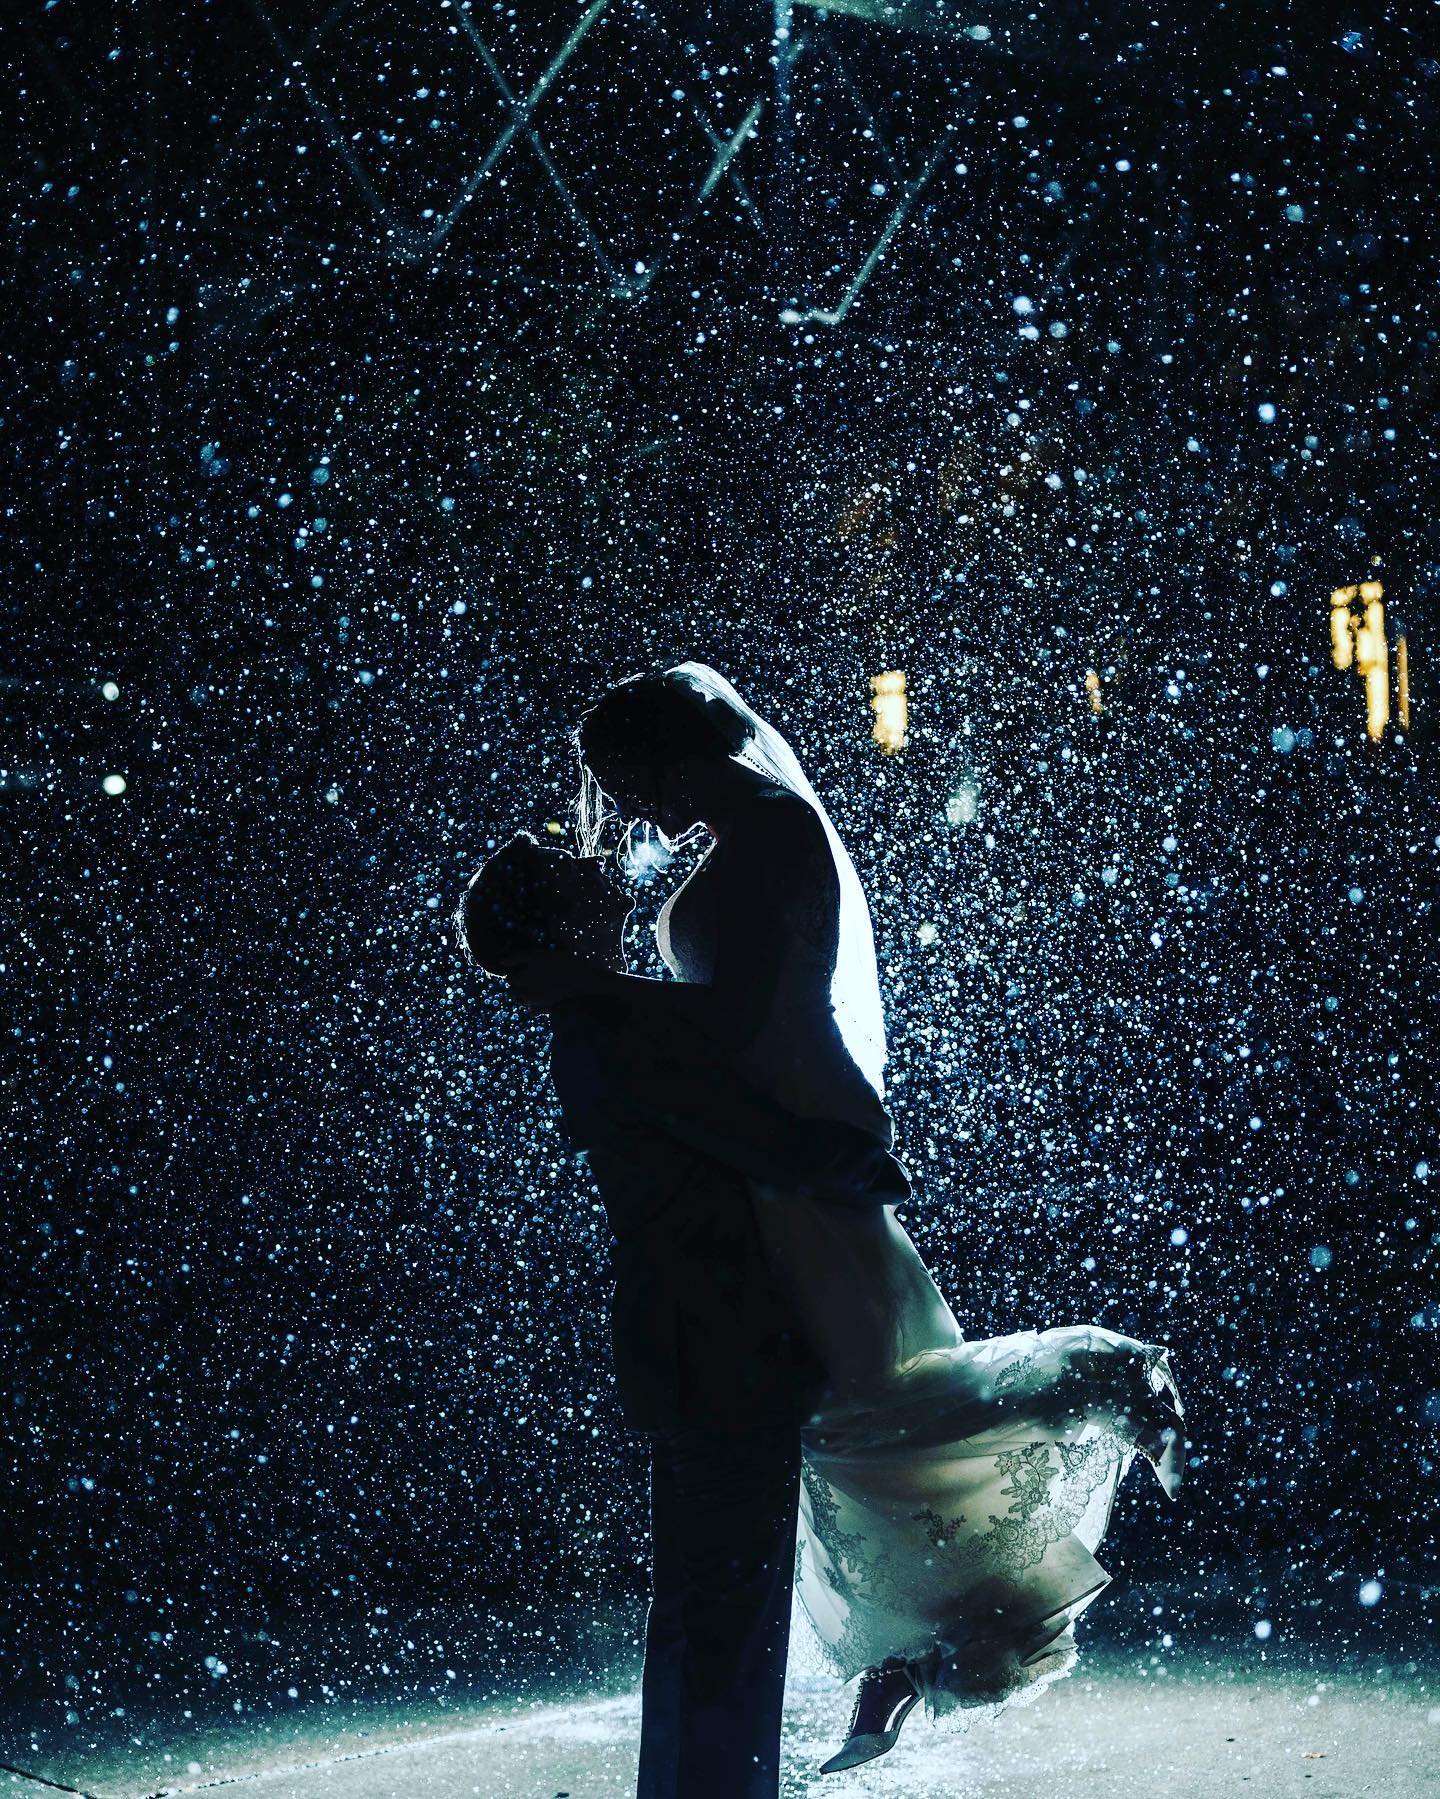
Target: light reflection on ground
(1123, 1725)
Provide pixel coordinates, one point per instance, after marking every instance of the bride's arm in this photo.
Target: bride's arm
(774, 856)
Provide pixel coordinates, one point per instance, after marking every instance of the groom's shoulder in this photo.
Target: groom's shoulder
(777, 812)
(782, 833)
(578, 1043)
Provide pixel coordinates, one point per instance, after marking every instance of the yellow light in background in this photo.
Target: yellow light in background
(1377, 702)
(892, 710)
(1357, 640)
(554, 827)
(1342, 627)
(1092, 690)
(1372, 661)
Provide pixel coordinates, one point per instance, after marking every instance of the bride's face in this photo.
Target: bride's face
(633, 787)
(660, 796)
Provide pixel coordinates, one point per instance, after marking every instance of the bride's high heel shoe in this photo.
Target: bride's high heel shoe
(886, 1698)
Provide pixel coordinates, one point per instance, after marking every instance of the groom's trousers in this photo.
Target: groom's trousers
(723, 1517)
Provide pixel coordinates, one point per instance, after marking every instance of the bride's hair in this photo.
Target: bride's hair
(651, 721)
(505, 909)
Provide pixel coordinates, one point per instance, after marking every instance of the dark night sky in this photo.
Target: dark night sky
(333, 497)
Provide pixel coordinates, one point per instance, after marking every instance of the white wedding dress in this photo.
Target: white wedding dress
(954, 1493)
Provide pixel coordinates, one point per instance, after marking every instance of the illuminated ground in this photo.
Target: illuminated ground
(1122, 1726)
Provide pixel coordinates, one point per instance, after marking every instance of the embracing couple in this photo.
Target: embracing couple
(802, 1381)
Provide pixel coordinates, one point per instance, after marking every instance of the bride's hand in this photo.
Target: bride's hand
(545, 981)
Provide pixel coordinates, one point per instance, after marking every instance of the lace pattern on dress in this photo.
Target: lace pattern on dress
(1010, 1567)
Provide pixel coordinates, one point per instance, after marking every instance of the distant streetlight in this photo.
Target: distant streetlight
(891, 707)
(1372, 660)
(1357, 640)
(1342, 627)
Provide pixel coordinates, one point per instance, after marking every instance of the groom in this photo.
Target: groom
(707, 1360)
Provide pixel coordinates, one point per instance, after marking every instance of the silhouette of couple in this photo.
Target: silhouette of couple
(801, 1379)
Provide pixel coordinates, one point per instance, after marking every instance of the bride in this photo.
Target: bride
(954, 1492)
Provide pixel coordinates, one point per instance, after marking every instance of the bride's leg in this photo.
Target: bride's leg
(886, 1697)
(859, 1288)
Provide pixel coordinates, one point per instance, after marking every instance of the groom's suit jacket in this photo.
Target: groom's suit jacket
(701, 1333)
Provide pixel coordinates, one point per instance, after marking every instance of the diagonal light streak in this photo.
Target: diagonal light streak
(267, 99)
(726, 149)
(858, 101)
(537, 144)
(519, 119)
(636, 284)
(821, 316)
(324, 115)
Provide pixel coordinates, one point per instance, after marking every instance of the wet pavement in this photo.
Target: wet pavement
(1124, 1724)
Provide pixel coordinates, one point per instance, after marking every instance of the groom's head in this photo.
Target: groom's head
(530, 898)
